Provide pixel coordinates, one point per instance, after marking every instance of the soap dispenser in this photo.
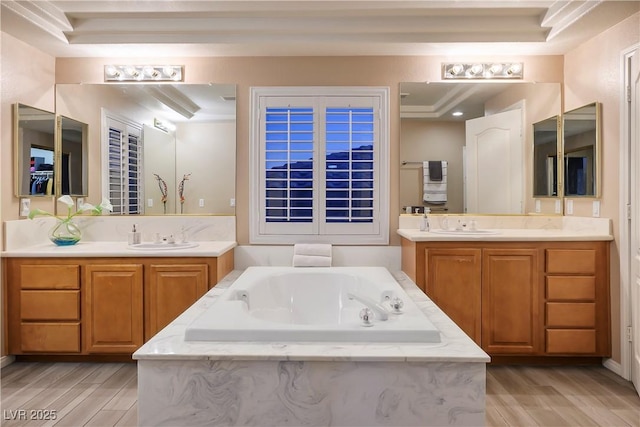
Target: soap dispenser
(135, 237)
(424, 222)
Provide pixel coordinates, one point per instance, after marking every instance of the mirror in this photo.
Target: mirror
(180, 130)
(430, 131)
(545, 157)
(72, 157)
(34, 143)
(581, 148)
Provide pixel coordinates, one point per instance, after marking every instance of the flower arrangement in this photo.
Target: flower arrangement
(65, 232)
(163, 190)
(181, 191)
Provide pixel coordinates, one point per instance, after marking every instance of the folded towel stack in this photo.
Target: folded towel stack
(435, 188)
(312, 255)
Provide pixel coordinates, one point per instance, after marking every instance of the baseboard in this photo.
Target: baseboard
(6, 361)
(614, 367)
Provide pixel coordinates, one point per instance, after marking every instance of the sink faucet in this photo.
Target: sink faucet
(377, 308)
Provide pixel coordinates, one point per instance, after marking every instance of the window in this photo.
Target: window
(122, 182)
(319, 165)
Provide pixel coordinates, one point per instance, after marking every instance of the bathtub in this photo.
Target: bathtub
(287, 304)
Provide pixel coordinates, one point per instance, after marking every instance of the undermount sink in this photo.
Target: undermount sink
(162, 246)
(466, 232)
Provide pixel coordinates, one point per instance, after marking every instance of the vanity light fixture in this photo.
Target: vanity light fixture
(143, 73)
(163, 125)
(478, 70)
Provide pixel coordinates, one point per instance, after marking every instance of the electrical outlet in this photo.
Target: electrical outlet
(201, 203)
(538, 208)
(569, 207)
(149, 203)
(558, 207)
(232, 202)
(79, 201)
(596, 208)
(25, 207)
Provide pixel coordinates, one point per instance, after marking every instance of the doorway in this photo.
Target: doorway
(630, 217)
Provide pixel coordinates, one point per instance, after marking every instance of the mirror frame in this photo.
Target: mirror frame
(559, 155)
(597, 173)
(18, 149)
(59, 152)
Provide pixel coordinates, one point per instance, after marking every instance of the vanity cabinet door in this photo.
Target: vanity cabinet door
(171, 289)
(510, 301)
(453, 282)
(112, 308)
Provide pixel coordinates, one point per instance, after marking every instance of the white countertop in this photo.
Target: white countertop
(508, 235)
(117, 249)
(169, 343)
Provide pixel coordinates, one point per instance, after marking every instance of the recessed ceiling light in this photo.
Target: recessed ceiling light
(456, 113)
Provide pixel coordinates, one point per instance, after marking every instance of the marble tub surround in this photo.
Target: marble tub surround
(25, 233)
(511, 228)
(244, 383)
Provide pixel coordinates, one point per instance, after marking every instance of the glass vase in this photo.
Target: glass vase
(65, 233)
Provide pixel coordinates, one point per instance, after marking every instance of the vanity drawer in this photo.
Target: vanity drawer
(571, 261)
(571, 287)
(568, 315)
(50, 305)
(49, 276)
(571, 341)
(50, 337)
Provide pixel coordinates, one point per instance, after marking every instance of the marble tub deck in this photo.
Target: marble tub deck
(316, 384)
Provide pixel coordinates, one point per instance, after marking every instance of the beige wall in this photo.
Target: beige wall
(431, 140)
(196, 143)
(27, 78)
(303, 71)
(593, 73)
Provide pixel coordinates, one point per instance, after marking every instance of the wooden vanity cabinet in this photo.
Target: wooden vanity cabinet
(100, 306)
(519, 298)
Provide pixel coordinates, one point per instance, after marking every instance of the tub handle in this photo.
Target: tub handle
(243, 296)
(379, 310)
(366, 315)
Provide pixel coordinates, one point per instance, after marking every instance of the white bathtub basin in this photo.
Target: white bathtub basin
(466, 232)
(162, 246)
(287, 304)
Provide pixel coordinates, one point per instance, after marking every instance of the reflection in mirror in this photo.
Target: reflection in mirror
(34, 144)
(170, 130)
(545, 157)
(581, 131)
(477, 128)
(73, 156)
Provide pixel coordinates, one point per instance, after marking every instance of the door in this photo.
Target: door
(453, 284)
(510, 301)
(494, 164)
(634, 124)
(172, 289)
(112, 312)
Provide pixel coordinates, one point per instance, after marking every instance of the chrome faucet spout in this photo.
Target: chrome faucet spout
(379, 310)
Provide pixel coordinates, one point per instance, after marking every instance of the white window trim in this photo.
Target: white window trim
(104, 148)
(255, 236)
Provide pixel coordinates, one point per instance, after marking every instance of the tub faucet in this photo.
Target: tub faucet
(377, 308)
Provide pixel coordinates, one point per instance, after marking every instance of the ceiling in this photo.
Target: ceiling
(163, 28)
(81, 28)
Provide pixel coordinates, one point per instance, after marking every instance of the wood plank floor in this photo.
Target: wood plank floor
(92, 394)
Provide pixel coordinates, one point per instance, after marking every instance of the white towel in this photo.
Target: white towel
(311, 261)
(316, 249)
(312, 255)
(434, 192)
